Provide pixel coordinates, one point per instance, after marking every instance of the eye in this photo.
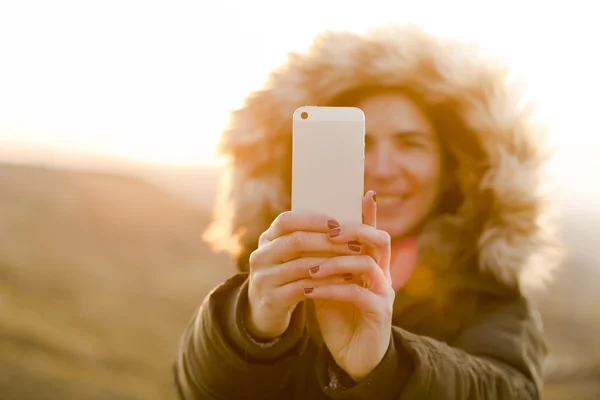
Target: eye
(416, 144)
(410, 142)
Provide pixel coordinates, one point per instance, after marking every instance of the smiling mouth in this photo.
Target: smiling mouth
(389, 200)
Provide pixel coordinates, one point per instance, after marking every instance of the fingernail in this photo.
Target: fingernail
(308, 290)
(374, 197)
(334, 232)
(331, 224)
(314, 269)
(355, 246)
(348, 277)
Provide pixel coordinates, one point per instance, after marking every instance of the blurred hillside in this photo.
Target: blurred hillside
(570, 307)
(100, 272)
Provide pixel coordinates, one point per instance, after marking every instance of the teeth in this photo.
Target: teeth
(385, 200)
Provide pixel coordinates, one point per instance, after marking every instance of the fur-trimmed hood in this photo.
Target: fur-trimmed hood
(504, 215)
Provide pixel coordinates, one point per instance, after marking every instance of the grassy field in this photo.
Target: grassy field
(99, 274)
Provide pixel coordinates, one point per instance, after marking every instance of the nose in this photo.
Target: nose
(380, 160)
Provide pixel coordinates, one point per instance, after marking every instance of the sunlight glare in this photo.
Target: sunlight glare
(156, 81)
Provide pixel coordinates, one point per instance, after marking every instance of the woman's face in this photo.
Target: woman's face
(402, 162)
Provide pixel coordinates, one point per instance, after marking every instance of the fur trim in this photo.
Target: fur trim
(503, 216)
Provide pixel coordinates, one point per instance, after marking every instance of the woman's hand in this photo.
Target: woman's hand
(355, 317)
(279, 269)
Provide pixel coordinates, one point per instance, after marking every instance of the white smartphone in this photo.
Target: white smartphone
(328, 161)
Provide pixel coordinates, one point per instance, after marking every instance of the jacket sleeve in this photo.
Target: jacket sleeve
(498, 356)
(218, 359)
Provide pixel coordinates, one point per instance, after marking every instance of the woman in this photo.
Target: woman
(425, 298)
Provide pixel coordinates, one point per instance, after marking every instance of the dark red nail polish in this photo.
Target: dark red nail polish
(348, 277)
(308, 290)
(334, 232)
(314, 269)
(355, 246)
(332, 224)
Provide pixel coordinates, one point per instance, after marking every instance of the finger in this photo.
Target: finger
(361, 233)
(363, 267)
(292, 221)
(369, 209)
(280, 274)
(378, 242)
(294, 292)
(351, 293)
(298, 244)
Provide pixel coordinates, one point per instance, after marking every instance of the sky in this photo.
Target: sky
(155, 80)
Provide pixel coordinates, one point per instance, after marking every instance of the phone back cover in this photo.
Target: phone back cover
(328, 162)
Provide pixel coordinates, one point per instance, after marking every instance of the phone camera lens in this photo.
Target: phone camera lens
(304, 115)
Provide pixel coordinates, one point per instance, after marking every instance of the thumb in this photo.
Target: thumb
(369, 209)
